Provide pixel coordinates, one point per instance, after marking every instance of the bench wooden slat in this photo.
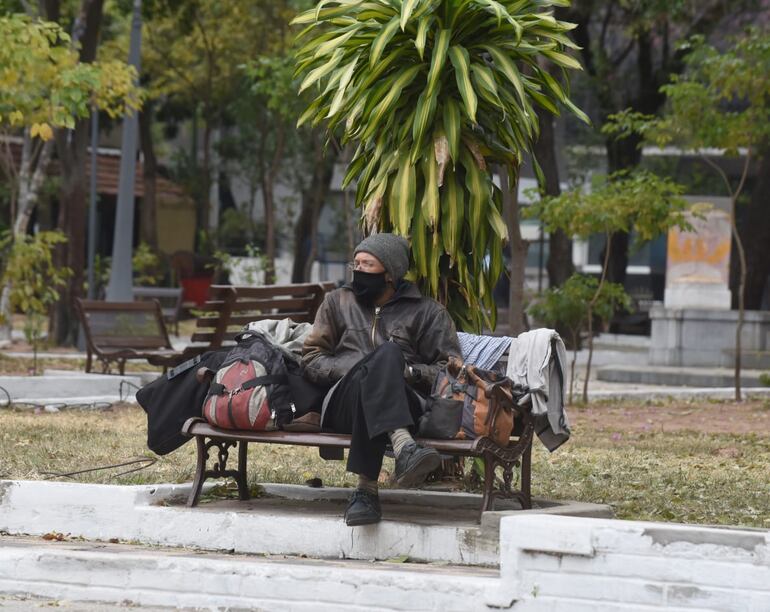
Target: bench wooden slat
(130, 341)
(268, 291)
(195, 427)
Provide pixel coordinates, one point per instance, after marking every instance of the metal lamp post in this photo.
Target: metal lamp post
(119, 288)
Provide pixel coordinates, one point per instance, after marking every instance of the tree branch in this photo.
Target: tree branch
(618, 59)
(606, 24)
(720, 172)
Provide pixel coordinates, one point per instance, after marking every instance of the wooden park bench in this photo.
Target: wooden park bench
(331, 446)
(119, 331)
(170, 299)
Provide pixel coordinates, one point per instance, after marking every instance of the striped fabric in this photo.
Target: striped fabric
(483, 351)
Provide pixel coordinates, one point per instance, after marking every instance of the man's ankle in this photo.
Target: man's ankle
(399, 438)
(367, 484)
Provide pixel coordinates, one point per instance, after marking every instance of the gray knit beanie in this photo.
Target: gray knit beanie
(391, 250)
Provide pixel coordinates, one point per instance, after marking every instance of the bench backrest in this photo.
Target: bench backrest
(170, 298)
(136, 325)
(229, 308)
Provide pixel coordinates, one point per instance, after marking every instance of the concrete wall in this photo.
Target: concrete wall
(566, 564)
(691, 337)
(547, 563)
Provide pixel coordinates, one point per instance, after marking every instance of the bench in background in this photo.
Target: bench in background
(170, 299)
(229, 308)
(118, 331)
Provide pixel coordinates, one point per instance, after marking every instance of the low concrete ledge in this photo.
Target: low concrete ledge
(181, 579)
(547, 564)
(678, 376)
(289, 519)
(72, 388)
(567, 564)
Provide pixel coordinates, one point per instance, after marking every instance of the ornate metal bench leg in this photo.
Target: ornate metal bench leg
(526, 478)
(488, 501)
(200, 472)
(243, 485)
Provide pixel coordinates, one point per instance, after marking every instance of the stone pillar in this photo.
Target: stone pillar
(698, 264)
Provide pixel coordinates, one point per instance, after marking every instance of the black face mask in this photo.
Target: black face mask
(367, 287)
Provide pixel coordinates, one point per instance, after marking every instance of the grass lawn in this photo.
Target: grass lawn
(684, 462)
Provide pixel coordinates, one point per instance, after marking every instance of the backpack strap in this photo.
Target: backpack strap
(183, 367)
(269, 379)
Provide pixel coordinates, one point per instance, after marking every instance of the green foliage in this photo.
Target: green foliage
(569, 304)
(764, 378)
(433, 92)
(648, 203)
(574, 305)
(33, 278)
(720, 101)
(250, 269)
(146, 266)
(30, 269)
(270, 79)
(43, 85)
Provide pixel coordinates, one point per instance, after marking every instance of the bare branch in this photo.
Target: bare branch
(618, 59)
(721, 173)
(605, 25)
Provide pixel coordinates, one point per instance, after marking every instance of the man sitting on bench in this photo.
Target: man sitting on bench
(380, 343)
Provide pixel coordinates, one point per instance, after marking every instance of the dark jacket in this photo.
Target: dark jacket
(345, 331)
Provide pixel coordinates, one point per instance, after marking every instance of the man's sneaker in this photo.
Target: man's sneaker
(363, 509)
(414, 463)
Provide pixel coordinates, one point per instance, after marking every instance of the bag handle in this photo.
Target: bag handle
(269, 379)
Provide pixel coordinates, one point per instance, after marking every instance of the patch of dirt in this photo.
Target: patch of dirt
(750, 417)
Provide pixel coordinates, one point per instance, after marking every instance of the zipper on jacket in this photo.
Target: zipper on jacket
(374, 324)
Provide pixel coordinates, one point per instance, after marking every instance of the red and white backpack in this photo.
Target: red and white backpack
(250, 390)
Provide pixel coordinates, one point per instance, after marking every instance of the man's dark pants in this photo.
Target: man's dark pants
(372, 399)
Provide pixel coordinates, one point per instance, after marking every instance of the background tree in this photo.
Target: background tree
(721, 101)
(572, 305)
(193, 54)
(34, 279)
(45, 86)
(649, 204)
(629, 50)
(432, 93)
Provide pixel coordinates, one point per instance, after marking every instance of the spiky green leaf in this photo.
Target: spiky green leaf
(461, 63)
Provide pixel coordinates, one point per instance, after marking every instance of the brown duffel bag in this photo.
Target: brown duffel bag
(467, 403)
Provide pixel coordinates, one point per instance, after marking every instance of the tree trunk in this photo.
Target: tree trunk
(313, 200)
(32, 173)
(510, 189)
(71, 147)
(148, 221)
(756, 236)
(560, 266)
(206, 173)
(621, 155)
(268, 192)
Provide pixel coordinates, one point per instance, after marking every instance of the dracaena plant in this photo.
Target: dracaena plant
(434, 93)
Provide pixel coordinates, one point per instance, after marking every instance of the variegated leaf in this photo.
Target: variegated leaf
(459, 58)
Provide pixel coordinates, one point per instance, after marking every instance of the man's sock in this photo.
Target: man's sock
(365, 484)
(400, 438)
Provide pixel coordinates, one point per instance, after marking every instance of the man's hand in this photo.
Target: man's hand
(411, 374)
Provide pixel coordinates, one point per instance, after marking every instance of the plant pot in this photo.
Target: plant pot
(196, 289)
